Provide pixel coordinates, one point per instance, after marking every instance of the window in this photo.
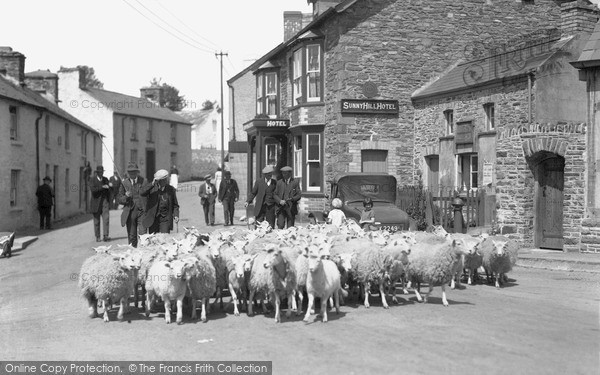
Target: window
(449, 117)
(95, 146)
(150, 134)
(374, 160)
(298, 156)
(260, 95)
(271, 152)
(67, 137)
(47, 170)
(266, 94)
(489, 116)
(47, 130)
(67, 189)
(307, 74)
(14, 187)
(134, 129)
(433, 173)
(313, 162)
(467, 171)
(173, 158)
(14, 123)
(214, 125)
(174, 133)
(84, 142)
(133, 156)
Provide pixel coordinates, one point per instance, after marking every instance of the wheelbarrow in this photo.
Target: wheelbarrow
(6, 242)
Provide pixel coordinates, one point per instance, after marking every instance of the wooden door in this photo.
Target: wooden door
(150, 164)
(549, 210)
(374, 161)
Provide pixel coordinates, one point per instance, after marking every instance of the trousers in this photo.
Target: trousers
(45, 215)
(101, 214)
(228, 210)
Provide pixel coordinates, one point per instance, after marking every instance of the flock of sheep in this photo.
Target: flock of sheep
(323, 261)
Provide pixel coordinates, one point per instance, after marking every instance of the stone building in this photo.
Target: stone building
(336, 95)
(40, 139)
(136, 129)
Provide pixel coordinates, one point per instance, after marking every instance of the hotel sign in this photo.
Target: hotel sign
(370, 106)
(267, 123)
(464, 133)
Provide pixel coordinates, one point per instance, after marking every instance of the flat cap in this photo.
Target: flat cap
(286, 169)
(268, 169)
(160, 174)
(132, 167)
(208, 177)
(99, 168)
(47, 178)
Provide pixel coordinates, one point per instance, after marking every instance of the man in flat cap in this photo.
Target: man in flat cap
(263, 190)
(162, 207)
(115, 184)
(45, 197)
(100, 188)
(208, 194)
(228, 195)
(287, 194)
(133, 203)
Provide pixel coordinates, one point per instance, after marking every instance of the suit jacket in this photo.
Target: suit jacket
(99, 195)
(206, 198)
(44, 194)
(231, 189)
(151, 192)
(289, 192)
(135, 204)
(263, 193)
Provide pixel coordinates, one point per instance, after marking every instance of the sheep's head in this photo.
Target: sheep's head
(346, 261)
(315, 257)
(499, 247)
(273, 255)
(171, 250)
(102, 249)
(129, 260)
(409, 237)
(146, 239)
(249, 261)
(182, 267)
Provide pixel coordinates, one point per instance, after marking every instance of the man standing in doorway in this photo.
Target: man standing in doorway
(287, 194)
(45, 196)
(115, 180)
(162, 207)
(100, 188)
(133, 204)
(208, 194)
(263, 190)
(228, 195)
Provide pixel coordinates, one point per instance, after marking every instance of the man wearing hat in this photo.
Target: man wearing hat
(287, 194)
(228, 195)
(100, 188)
(208, 194)
(162, 207)
(115, 182)
(263, 190)
(133, 204)
(44, 195)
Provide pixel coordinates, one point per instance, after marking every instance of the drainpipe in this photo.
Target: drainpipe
(529, 96)
(232, 118)
(37, 147)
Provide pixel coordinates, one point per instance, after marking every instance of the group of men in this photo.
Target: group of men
(226, 192)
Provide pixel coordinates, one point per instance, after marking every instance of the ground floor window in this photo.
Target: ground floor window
(298, 156)
(314, 162)
(467, 171)
(14, 187)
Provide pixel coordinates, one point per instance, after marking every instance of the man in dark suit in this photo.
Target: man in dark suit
(133, 204)
(115, 182)
(45, 195)
(100, 188)
(263, 190)
(228, 195)
(208, 194)
(287, 194)
(162, 207)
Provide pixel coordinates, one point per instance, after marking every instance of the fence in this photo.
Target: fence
(435, 208)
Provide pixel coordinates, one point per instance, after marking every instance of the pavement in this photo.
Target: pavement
(528, 258)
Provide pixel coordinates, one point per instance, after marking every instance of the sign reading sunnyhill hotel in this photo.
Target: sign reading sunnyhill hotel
(370, 106)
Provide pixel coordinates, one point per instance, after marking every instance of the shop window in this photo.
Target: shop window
(467, 171)
(14, 187)
(307, 73)
(266, 94)
(449, 118)
(298, 156)
(14, 123)
(374, 160)
(314, 163)
(489, 116)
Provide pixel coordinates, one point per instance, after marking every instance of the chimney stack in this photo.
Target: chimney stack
(154, 94)
(578, 16)
(320, 6)
(44, 83)
(12, 64)
(292, 24)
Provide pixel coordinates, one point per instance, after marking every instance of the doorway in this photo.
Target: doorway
(549, 201)
(150, 163)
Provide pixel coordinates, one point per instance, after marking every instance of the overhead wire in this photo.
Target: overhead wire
(186, 26)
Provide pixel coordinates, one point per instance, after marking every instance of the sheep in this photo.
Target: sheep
(108, 278)
(323, 281)
(273, 274)
(434, 261)
(469, 261)
(167, 280)
(201, 283)
(372, 267)
(238, 279)
(499, 255)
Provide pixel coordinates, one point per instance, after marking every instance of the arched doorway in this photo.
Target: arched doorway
(549, 169)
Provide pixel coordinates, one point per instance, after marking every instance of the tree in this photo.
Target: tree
(208, 105)
(90, 77)
(171, 98)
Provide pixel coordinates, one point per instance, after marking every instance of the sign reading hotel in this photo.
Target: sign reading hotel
(370, 106)
(267, 123)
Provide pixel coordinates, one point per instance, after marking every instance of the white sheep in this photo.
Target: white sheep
(239, 278)
(323, 281)
(499, 255)
(370, 267)
(201, 281)
(108, 278)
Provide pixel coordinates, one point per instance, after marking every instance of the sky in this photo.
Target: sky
(127, 49)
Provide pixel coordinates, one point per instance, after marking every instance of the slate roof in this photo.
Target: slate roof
(491, 69)
(41, 74)
(133, 106)
(16, 92)
(590, 57)
(195, 116)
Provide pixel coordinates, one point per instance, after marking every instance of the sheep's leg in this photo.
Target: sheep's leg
(204, 302)
(149, 298)
(382, 293)
(301, 298)
(290, 304)
(105, 307)
(167, 302)
(337, 297)
(311, 301)
(194, 304)
(293, 298)
(419, 298)
(324, 308)
(444, 300)
(92, 307)
(497, 275)
(251, 303)
(122, 308)
(277, 307)
(428, 292)
(180, 310)
(469, 276)
(234, 298)
(366, 287)
(452, 283)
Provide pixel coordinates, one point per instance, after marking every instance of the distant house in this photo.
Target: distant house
(39, 139)
(206, 127)
(136, 129)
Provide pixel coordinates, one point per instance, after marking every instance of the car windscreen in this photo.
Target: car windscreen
(358, 187)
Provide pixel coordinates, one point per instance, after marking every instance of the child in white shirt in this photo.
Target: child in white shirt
(336, 216)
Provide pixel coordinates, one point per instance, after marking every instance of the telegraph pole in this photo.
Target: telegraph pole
(220, 56)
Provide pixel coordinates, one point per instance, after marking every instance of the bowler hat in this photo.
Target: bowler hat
(47, 178)
(286, 169)
(227, 173)
(268, 169)
(99, 168)
(160, 174)
(132, 167)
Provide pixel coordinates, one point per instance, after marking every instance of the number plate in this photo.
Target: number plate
(390, 228)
